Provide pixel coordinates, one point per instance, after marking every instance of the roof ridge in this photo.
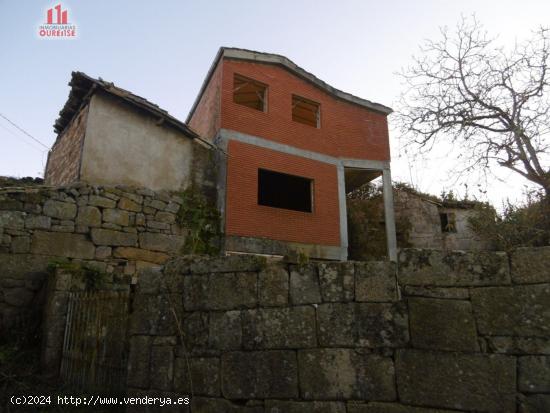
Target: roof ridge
(84, 86)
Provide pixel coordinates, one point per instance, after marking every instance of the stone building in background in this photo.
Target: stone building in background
(422, 221)
(438, 224)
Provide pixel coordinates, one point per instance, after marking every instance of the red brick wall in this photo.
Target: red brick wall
(65, 156)
(347, 130)
(244, 217)
(206, 118)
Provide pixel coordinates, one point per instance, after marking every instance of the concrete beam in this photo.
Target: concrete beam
(227, 134)
(268, 246)
(365, 164)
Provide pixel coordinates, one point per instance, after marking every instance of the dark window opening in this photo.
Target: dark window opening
(305, 111)
(284, 191)
(448, 222)
(249, 93)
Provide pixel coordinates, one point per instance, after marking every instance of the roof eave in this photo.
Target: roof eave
(84, 86)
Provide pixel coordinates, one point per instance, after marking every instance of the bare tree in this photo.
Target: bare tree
(492, 102)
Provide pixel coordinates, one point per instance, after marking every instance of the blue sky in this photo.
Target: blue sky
(162, 51)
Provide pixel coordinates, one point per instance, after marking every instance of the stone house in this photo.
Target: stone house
(108, 136)
(438, 223)
(278, 147)
(422, 221)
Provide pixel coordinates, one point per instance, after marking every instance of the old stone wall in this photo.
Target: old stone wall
(115, 230)
(417, 225)
(424, 229)
(65, 156)
(125, 146)
(479, 328)
(470, 332)
(440, 332)
(52, 311)
(424, 225)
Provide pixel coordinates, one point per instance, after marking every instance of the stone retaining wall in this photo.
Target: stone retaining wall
(471, 333)
(116, 230)
(480, 330)
(452, 332)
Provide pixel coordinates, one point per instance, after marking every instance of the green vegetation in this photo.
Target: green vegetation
(202, 220)
(20, 362)
(93, 278)
(6, 181)
(525, 225)
(366, 225)
(303, 259)
(20, 375)
(20, 369)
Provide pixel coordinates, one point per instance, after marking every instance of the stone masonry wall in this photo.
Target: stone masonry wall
(479, 328)
(470, 333)
(65, 157)
(417, 224)
(116, 230)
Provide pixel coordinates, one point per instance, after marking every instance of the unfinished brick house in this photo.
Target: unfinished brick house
(288, 147)
(294, 147)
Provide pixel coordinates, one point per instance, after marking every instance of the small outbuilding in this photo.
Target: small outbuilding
(422, 221)
(109, 136)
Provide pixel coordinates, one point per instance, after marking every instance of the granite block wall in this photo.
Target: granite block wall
(440, 331)
(115, 230)
(450, 332)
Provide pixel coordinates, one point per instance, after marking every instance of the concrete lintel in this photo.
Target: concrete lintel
(228, 134)
(276, 146)
(365, 164)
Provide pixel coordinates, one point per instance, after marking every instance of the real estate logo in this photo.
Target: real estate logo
(57, 25)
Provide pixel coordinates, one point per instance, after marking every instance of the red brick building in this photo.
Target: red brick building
(292, 147)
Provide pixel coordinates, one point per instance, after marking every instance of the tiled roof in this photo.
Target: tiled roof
(84, 86)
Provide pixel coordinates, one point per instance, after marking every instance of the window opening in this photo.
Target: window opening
(285, 191)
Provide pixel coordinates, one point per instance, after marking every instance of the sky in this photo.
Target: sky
(162, 51)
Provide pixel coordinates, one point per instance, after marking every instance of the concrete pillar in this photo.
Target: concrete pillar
(343, 213)
(389, 215)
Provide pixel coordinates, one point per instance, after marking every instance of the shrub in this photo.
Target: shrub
(526, 225)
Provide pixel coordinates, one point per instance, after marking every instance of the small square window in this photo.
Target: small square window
(448, 222)
(285, 191)
(305, 111)
(248, 92)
